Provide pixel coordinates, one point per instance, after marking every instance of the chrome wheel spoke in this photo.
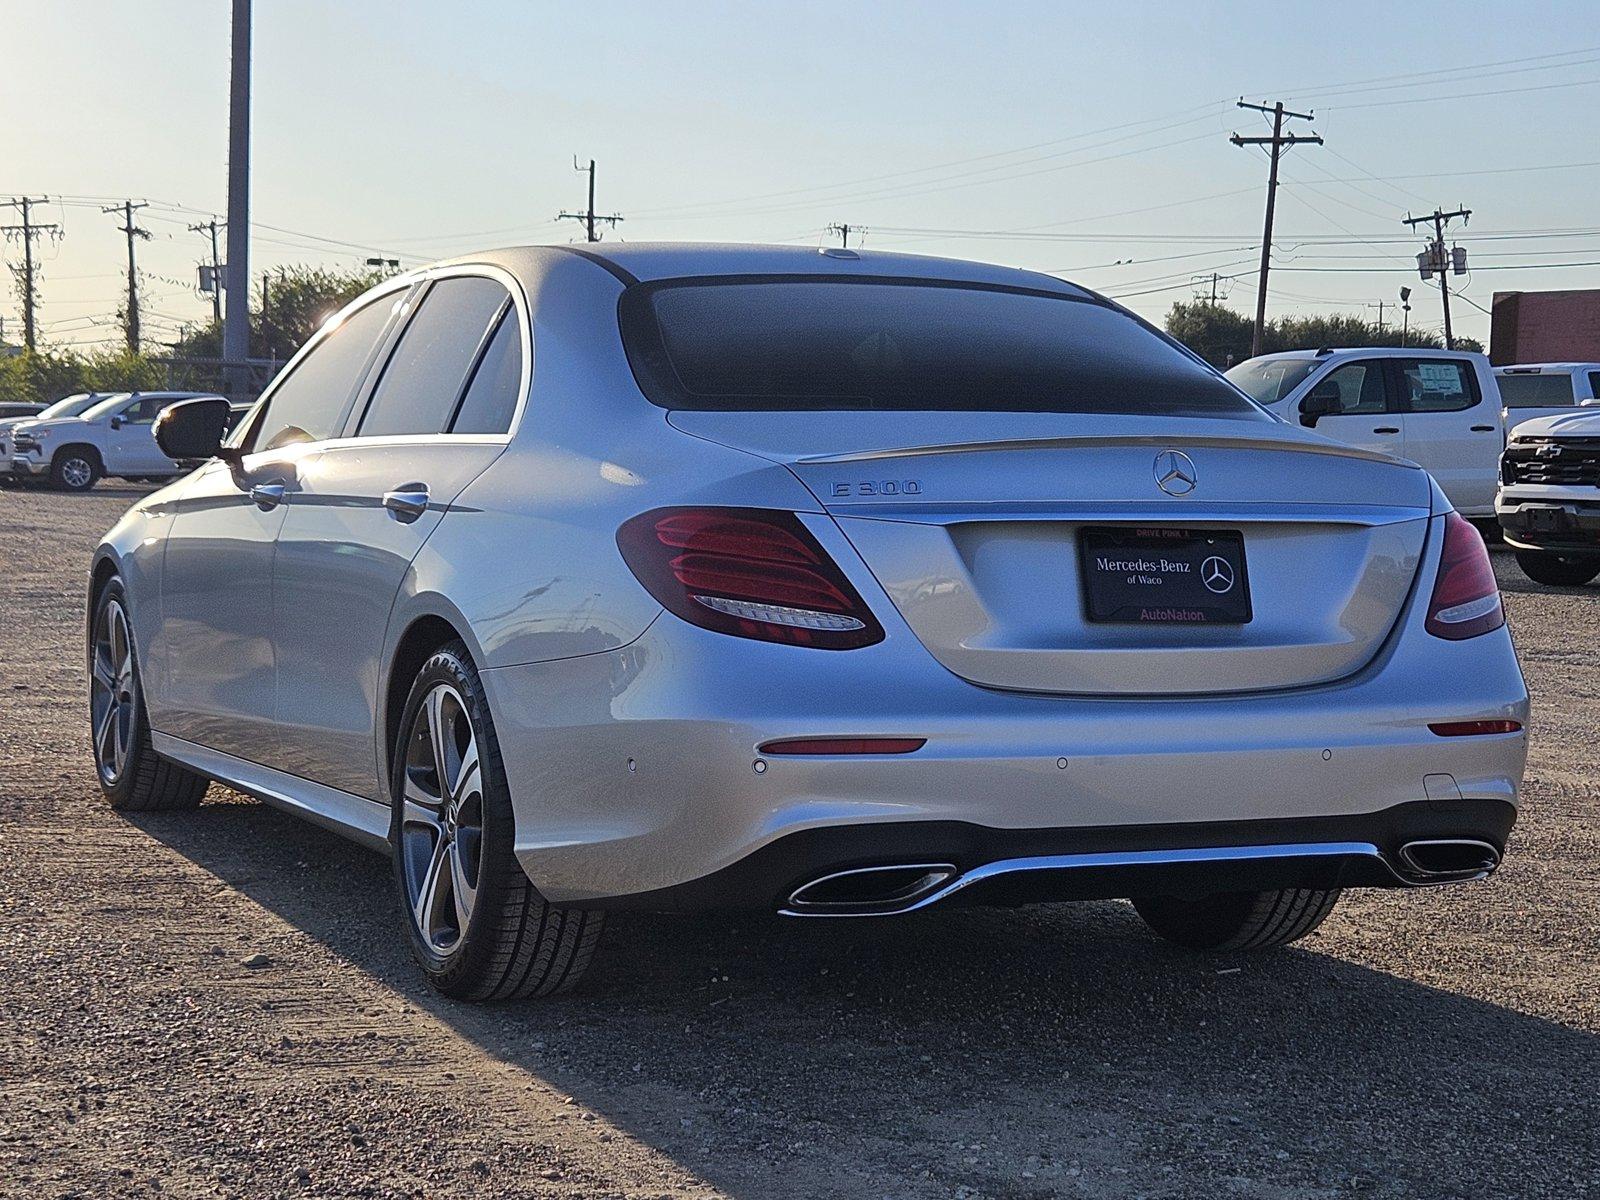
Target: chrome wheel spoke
(465, 782)
(462, 893)
(425, 907)
(439, 738)
(113, 692)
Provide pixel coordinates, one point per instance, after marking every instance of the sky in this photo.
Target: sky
(1089, 141)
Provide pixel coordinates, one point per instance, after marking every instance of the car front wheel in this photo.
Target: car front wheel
(133, 777)
(1237, 920)
(478, 926)
(1558, 570)
(74, 470)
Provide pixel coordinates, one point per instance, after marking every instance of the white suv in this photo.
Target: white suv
(1439, 408)
(1549, 499)
(112, 437)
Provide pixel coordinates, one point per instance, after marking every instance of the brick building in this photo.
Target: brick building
(1534, 327)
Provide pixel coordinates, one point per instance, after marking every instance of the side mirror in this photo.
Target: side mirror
(192, 430)
(116, 421)
(1321, 401)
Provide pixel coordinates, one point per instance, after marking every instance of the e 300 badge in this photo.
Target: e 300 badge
(880, 487)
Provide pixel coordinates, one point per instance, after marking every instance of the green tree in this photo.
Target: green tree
(40, 376)
(1222, 337)
(296, 301)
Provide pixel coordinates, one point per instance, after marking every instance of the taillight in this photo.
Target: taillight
(751, 572)
(1466, 599)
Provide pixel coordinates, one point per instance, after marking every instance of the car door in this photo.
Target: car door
(1362, 413)
(130, 438)
(1449, 428)
(362, 509)
(215, 661)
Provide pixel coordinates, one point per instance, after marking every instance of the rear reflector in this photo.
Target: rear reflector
(1466, 598)
(864, 745)
(1474, 728)
(750, 572)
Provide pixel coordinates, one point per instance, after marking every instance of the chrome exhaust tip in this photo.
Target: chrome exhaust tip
(1449, 860)
(868, 891)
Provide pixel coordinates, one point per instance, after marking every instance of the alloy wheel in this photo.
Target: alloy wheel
(112, 693)
(77, 473)
(441, 826)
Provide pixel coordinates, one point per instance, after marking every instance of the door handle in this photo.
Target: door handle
(267, 496)
(1483, 429)
(1386, 429)
(407, 502)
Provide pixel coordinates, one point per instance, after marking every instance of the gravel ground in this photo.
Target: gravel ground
(1431, 1044)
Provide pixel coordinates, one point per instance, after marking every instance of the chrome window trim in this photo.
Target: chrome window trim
(400, 283)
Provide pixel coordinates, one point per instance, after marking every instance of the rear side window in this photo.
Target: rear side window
(1594, 383)
(1440, 385)
(491, 399)
(310, 403)
(1536, 391)
(796, 343)
(418, 390)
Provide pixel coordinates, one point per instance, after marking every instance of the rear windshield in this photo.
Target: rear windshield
(896, 345)
(1536, 391)
(1268, 380)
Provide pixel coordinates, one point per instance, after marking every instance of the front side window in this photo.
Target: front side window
(798, 343)
(425, 375)
(1439, 385)
(310, 403)
(1536, 391)
(1594, 383)
(146, 409)
(1355, 389)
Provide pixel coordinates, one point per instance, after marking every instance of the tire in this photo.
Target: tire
(458, 839)
(1238, 920)
(133, 777)
(1558, 570)
(75, 469)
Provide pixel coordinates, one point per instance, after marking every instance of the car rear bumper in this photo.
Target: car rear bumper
(637, 775)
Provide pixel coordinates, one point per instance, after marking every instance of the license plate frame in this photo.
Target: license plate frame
(1164, 575)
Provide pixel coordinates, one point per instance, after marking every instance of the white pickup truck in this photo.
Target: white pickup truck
(1438, 408)
(1533, 390)
(112, 437)
(1549, 499)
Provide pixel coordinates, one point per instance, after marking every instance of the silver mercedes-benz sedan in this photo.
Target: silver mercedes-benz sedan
(831, 584)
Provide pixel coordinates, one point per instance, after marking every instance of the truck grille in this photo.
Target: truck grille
(1570, 462)
(26, 441)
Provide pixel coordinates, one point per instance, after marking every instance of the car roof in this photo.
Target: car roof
(650, 261)
(1329, 354)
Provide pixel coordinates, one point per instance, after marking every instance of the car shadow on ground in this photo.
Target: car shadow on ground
(1012, 1053)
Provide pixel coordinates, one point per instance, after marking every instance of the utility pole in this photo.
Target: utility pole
(1277, 141)
(1380, 306)
(127, 208)
(216, 268)
(588, 217)
(29, 230)
(1435, 259)
(844, 232)
(236, 320)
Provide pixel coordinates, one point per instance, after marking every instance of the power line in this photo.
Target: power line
(844, 232)
(1277, 141)
(27, 280)
(127, 208)
(588, 218)
(1438, 261)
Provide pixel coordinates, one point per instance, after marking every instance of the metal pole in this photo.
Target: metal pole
(236, 322)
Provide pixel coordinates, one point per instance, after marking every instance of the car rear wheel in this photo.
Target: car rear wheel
(1237, 920)
(478, 926)
(133, 777)
(1558, 570)
(74, 469)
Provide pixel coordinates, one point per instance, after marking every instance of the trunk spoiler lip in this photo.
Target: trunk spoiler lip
(1330, 448)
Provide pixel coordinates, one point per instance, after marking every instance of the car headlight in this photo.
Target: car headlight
(39, 435)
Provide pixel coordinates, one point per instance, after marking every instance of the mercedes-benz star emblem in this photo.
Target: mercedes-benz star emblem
(1175, 473)
(1217, 574)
